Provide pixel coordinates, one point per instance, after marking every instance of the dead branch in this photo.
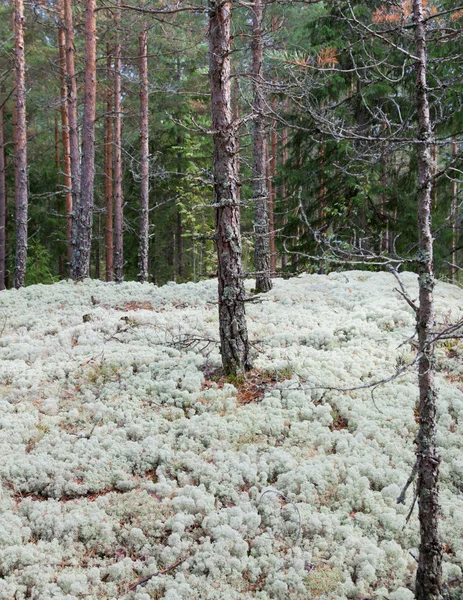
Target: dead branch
(162, 572)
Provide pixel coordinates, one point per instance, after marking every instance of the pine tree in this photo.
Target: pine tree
(232, 320)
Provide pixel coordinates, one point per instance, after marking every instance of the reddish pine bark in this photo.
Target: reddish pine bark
(20, 148)
(108, 172)
(260, 192)
(232, 319)
(429, 572)
(118, 199)
(83, 212)
(2, 206)
(143, 252)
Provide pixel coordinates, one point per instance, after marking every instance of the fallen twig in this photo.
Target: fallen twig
(162, 572)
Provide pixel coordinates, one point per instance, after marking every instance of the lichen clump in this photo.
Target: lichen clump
(123, 455)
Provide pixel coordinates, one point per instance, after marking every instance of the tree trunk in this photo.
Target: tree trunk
(429, 573)
(118, 200)
(98, 249)
(232, 318)
(83, 212)
(2, 206)
(284, 159)
(20, 148)
(273, 171)
(179, 242)
(454, 221)
(108, 172)
(260, 192)
(57, 149)
(178, 264)
(143, 252)
(74, 154)
(65, 129)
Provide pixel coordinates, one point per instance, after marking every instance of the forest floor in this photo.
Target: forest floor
(131, 469)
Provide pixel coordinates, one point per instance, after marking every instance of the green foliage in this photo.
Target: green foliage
(39, 264)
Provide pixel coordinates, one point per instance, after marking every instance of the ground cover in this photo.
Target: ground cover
(125, 454)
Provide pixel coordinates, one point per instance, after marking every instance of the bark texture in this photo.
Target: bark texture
(143, 251)
(71, 89)
(260, 192)
(2, 206)
(108, 172)
(118, 198)
(429, 573)
(272, 190)
(65, 128)
(232, 318)
(454, 222)
(284, 159)
(20, 148)
(83, 212)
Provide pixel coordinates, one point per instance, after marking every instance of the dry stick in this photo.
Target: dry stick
(401, 497)
(402, 291)
(366, 386)
(411, 509)
(162, 572)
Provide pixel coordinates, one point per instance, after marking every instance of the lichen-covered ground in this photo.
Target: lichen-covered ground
(123, 454)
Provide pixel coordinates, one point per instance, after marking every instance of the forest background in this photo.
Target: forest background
(339, 122)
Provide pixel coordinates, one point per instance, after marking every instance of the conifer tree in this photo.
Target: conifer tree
(20, 148)
(232, 319)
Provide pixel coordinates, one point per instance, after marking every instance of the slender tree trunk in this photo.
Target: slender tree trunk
(261, 216)
(429, 573)
(20, 143)
(143, 252)
(232, 318)
(434, 171)
(284, 159)
(273, 171)
(454, 222)
(178, 263)
(2, 206)
(118, 199)
(74, 153)
(98, 249)
(273, 191)
(179, 242)
(57, 149)
(83, 212)
(321, 184)
(108, 171)
(65, 128)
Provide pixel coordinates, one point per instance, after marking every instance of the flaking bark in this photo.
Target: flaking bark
(2, 206)
(143, 252)
(108, 172)
(118, 196)
(83, 212)
(20, 148)
(71, 88)
(232, 318)
(429, 573)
